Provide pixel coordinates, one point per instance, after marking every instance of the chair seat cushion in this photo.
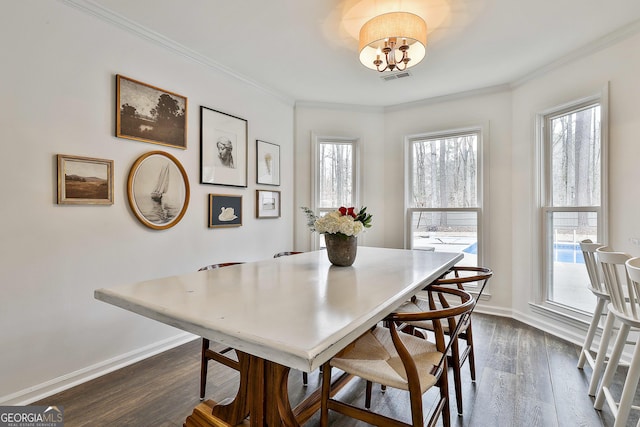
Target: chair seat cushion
(420, 306)
(374, 358)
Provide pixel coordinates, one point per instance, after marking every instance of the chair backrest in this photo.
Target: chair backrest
(464, 276)
(220, 265)
(593, 267)
(279, 254)
(615, 278)
(456, 315)
(633, 271)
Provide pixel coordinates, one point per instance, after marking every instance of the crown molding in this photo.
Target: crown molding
(489, 90)
(601, 43)
(338, 106)
(107, 15)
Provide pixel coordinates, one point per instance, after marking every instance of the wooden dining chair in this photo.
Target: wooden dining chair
(388, 356)
(625, 307)
(279, 254)
(461, 277)
(597, 288)
(210, 354)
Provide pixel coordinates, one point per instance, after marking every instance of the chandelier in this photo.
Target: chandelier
(393, 41)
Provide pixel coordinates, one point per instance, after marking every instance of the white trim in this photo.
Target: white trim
(109, 16)
(588, 49)
(64, 382)
(483, 91)
(603, 226)
(316, 140)
(482, 133)
(334, 106)
(542, 182)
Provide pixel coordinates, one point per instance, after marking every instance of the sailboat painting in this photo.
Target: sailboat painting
(163, 184)
(158, 190)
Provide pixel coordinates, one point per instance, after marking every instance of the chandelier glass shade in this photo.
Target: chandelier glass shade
(393, 41)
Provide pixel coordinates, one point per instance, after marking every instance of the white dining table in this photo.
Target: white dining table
(281, 313)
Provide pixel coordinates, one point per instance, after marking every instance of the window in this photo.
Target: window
(572, 200)
(444, 192)
(335, 175)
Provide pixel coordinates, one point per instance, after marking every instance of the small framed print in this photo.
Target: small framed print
(267, 163)
(84, 180)
(267, 204)
(150, 114)
(158, 190)
(223, 149)
(225, 210)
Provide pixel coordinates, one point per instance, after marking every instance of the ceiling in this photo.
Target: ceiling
(306, 50)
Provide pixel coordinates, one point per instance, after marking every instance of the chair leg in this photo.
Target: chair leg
(444, 394)
(471, 356)
(305, 379)
(612, 365)
(204, 362)
(455, 364)
(593, 327)
(367, 395)
(598, 368)
(629, 390)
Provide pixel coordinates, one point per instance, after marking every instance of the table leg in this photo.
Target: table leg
(262, 396)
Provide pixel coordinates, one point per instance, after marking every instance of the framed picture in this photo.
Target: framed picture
(158, 190)
(267, 204)
(225, 210)
(223, 149)
(267, 163)
(150, 114)
(84, 181)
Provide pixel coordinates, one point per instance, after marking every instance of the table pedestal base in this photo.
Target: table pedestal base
(262, 399)
(202, 417)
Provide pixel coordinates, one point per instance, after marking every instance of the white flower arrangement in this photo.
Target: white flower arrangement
(344, 221)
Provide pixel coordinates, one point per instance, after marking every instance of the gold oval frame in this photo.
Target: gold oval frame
(134, 205)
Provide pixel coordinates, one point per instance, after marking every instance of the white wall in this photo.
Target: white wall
(367, 124)
(382, 133)
(492, 112)
(58, 93)
(619, 66)
(511, 225)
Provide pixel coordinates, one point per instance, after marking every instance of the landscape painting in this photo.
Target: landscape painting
(147, 113)
(267, 204)
(84, 180)
(158, 190)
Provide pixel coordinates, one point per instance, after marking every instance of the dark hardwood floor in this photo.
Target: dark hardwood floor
(525, 378)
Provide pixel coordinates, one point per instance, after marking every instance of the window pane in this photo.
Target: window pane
(447, 232)
(569, 274)
(575, 159)
(335, 175)
(444, 172)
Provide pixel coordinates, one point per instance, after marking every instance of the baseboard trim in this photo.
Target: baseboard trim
(64, 382)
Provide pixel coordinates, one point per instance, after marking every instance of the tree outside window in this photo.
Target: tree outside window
(444, 201)
(572, 201)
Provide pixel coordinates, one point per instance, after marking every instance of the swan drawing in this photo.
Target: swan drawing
(227, 214)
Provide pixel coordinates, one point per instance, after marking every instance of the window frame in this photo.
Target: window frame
(317, 141)
(479, 209)
(546, 209)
